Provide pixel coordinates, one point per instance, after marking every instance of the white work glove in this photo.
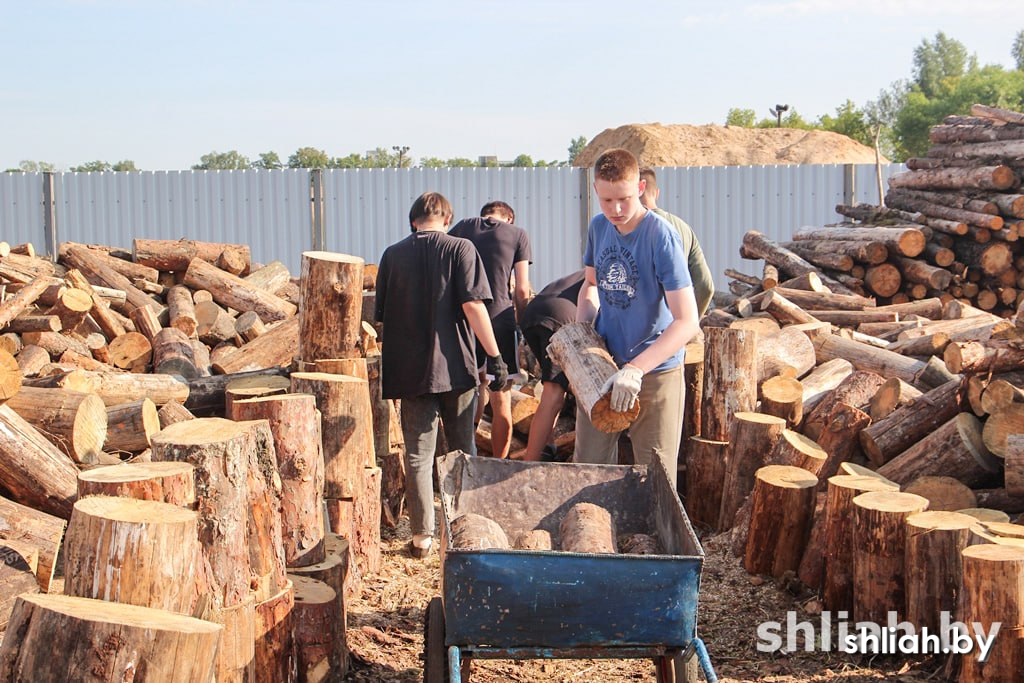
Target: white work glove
(625, 387)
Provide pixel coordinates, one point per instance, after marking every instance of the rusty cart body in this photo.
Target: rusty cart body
(527, 604)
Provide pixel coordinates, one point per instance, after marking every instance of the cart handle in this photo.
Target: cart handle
(704, 660)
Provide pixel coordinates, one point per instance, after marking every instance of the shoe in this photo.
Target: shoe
(419, 546)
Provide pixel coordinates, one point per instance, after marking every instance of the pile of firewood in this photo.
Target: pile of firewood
(213, 528)
(951, 225)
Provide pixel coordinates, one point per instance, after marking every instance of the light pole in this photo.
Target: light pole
(777, 113)
(400, 151)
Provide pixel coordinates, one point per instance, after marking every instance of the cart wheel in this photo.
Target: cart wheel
(435, 653)
(676, 669)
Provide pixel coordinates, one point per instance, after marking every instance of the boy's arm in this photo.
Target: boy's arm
(587, 303)
(703, 282)
(480, 322)
(680, 331)
(522, 291)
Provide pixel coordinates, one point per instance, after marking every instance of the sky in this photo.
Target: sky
(162, 83)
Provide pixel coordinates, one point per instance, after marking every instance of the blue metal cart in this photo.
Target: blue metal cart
(524, 604)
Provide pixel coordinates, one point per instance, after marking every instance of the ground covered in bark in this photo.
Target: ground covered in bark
(385, 631)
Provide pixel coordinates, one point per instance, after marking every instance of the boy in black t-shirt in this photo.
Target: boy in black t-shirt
(431, 290)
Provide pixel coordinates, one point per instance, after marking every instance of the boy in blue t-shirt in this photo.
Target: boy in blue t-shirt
(639, 295)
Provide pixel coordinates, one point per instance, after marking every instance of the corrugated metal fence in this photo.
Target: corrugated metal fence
(282, 213)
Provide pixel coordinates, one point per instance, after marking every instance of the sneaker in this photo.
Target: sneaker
(419, 546)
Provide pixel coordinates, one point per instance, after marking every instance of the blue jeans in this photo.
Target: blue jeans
(419, 428)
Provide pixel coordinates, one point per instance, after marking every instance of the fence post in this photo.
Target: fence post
(50, 215)
(586, 180)
(316, 210)
(849, 184)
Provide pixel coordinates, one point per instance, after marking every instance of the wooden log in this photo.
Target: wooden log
(130, 640)
(994, 355)
(164, 482)
(1001, 425)
(332, 301)
(836, 580)
(275, 348)
(883, 279)
(117, 388)
(295, 425)
(986, 515)
(472, 531)
(1013, 460)
(35, 472)
(131, 351)
(915, 270)
(147, 321)
(181, 310)
(730, 386)
(783, 397)
(176, 255)
(99, 271)
(906, 241)
(173, 354)
(582, 354)
(270, 277)
(110, 549)
(879, 535)
(71, 307)
(315, 622)
(26, 296)
(784, 310)
(870, 359)
(215, 325)
(796, 450)
(359, 521)
(842, 425)
(959, 215)
(523, 409)
(824, 259)
(927, 345)
(757, 246)
(892, 435)
(944, 494)
(35, 323)
(762, 323)
(75, 422)
(855, 390)
(131, 425)
(752, 436)
(18, 563)
(992, 575)
(36, 529)
(813, 301)
(853, 318)
(220, 451)
(978, 178)
(254, 386)
(788, 351)
(823, 379)
(248, 326)
(587, 528)
(333, 571)
(237, 651)
(231, 290)
(955, 448)
(201, 354)
(992, 258)
(892, 394)
(693, 389)
(780, 521)
(705, 477)
(207, 393)
(173, 412)
(344, 404)
(275, 647)
(857, 250)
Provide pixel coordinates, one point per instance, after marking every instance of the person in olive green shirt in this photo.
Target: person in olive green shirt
(703, 282)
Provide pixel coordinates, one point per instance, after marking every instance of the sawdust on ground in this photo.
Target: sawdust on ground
(655, 144)
(385, 631)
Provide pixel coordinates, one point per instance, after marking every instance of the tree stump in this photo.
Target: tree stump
(934, 567)
(295, 424)
(109, 641)
(344, 404)
(730, 379)
(585, 528)
(583, 356)
(275, 648)
(359, 521)
(783, 397)
(879, 535)
(992, 576)
(333, 571)
(74, 421)
(164, 482)
(782, 508)
(111, 547)
(332, 299)
(793, 448)
(752, 438)
(705, 477)
(254, 386)
(315, 622)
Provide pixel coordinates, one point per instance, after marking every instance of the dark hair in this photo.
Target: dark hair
(615, 165)
(499, 207)
(647, 173)
(427, 205)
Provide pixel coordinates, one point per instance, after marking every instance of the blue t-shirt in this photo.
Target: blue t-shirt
(633, 273)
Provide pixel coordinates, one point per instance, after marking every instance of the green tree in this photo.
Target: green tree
(460, 162)
(937, 61)
(850, 121)
(29, 166)
(269, 161)
(432, 162)
(125, 165)
(1018, 50)
(92, 167)
(523, 161)
(743, 118)
(576, 146)
(309, 157)
(381, 158)
(222, 161)
(351, 161)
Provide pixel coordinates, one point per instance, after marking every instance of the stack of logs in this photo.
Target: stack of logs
(868, 457)
(106, 357)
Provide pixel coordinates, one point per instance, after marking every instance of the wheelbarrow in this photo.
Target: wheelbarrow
(529, 604)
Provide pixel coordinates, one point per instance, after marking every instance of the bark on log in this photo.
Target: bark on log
(359, 521)
(215, 325)
(255, 386)
(181, 310)
(275, 648)
(55, 343)
(705, 477)
(823, 259)
(837, 528)
(730, 386)
(978, 178)
(119, 388)
(35, 323)
(18, 564)
(220, 451)
(75, 422)
(823, 379)
(476, 532)
(783, 397)
(757, 246)
(992, 258)
(26, 296)
(173, 412)
(97, 268)
(784, 310)
(870, 359)
(782, 507)
(843, 424)
(992, 576)
(137, 552)
(333, 571)
(879, 535)
(934, 567)
(231, 290)
(954, 449)
(23, 524)
(131, 425)
(275, 348)
(164, 482)
(175, 255)
(859, 250)
(207, 393)
(147, 321)
(35, 472)
(855, 390)
(248, 326)
(129, 640)
(905, 241)
(344, 404)
(315, 621)
(332, 301)
(889, 437)
(535, 539)
(785, 352)
(751, 438)
(894, 393)
(270, 277)
(295, 424)
(994, 355)
(173, 354)
(587, 528)
(1013, 461)
(1000, 426)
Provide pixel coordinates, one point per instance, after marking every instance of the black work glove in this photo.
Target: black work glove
(497, 373)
